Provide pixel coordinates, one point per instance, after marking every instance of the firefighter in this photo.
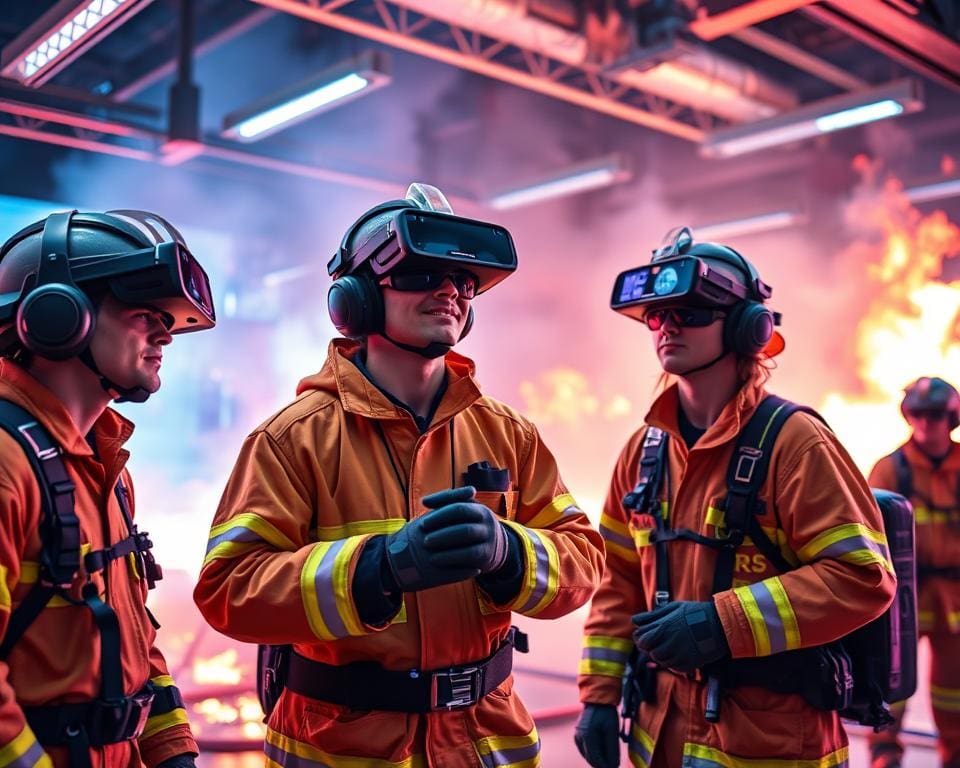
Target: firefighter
(391, 519)
(713, 335)
(926, 470)
(88, 304)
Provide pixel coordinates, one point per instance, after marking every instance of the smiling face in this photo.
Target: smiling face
(682, 348)
(421, 317)
(128, 343)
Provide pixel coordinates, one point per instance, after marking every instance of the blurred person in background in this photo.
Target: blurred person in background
(389, 521)
(926, 470)
(88, 304)
(715, 578)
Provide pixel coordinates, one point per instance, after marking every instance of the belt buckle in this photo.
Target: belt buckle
(140, 704)
(455, 688)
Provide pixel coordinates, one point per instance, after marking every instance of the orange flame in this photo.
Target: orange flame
(909, 326)
(221, 668)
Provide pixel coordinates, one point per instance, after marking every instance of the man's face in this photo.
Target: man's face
(128, 343)
(931, 430)
(685, 337)
(419, 317)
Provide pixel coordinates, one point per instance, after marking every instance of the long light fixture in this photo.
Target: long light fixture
(591, 174)
(751, 225)
(62, 34)
(331, 88)
(900, 97)
(940, 190)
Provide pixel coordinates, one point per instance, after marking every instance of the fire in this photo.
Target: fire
(244, 712)
(909, 327)
(564, 396)
(221, 668)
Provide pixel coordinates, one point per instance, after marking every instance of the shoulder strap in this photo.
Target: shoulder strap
(746, 474)
(903, 473)
(59, 525)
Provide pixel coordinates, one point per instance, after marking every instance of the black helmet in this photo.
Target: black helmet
(932, 394)
(46, 304)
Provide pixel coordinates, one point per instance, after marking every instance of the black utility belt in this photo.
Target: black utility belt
(924, 572)
(101, 722)
(368, 686)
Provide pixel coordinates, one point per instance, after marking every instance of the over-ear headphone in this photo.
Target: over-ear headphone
(355, 301)
(749, 325)
(55, 320)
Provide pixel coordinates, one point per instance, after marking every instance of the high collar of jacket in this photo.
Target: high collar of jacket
(918, 458)
(664, 414)
(18, 386)
(359, 395)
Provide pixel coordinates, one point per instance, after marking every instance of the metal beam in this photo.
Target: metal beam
(75, 142)
(799, 58)
(399, 37)
(743, 16)
(73, 120)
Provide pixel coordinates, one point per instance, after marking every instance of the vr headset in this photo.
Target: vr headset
(675, 276)
(414, 239)
(166, 276)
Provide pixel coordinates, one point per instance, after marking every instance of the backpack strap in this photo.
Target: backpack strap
(903, 473)
(59, 525)
(746, 474)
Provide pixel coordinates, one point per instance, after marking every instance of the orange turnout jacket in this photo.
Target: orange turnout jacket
(311, 486)
(936, 510)
(58, 658)
(819, 511)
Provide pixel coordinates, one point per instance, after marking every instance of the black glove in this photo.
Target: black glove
(684, 635)
(412, 565)
(462, 533)
(597, 735)
(186, 760)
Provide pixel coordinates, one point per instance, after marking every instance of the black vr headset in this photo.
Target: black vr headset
(413, 239)
(677, 275)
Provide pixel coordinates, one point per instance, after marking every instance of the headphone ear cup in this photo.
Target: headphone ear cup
(355, 306)
(471, 316)
(748, 328)
(56, 321)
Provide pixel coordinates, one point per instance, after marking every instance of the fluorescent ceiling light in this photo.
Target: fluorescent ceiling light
(329, 89)
(62, 34)
(592, 174)
(928, 192)
(749, 226)
(836, 113)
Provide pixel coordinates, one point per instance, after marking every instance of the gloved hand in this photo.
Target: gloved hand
(412, 564)
(462, 533)
(186, 760)
(684, 635)
(597, 735)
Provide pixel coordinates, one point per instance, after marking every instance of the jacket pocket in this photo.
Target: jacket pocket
(503, 503)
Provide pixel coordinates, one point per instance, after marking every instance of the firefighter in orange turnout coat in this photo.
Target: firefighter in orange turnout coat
(926, 469)
(711, 333)
(82, 683)
(389, 521)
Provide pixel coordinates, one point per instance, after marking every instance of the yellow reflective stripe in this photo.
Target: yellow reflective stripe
(614, 524)
(242, 533)
(640, 747)
(924, 516)
(641, 536)
(715, 517)
(758, 627)
(617, 538)
(358, 528)
(665, 510)
(791, 629)
(162, 681)
(603, 641)
(325, 589)
(24, 752)
(601, 667)
(170, 719)
(29, 572)
(5, 600)
(281, 750)
(702, 756)
(509, 751)
(559, 507)
(839, 533)
(945, 698)
(541, 570)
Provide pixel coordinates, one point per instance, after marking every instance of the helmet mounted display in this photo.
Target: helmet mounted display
(421, 232)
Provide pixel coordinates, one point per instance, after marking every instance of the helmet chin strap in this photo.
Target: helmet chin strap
(723, 353)
(118, 393)
(431, 351)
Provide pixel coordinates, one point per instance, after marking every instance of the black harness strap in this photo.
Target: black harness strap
(903, 473)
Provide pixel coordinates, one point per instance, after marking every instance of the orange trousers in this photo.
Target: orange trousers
(886, 748)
